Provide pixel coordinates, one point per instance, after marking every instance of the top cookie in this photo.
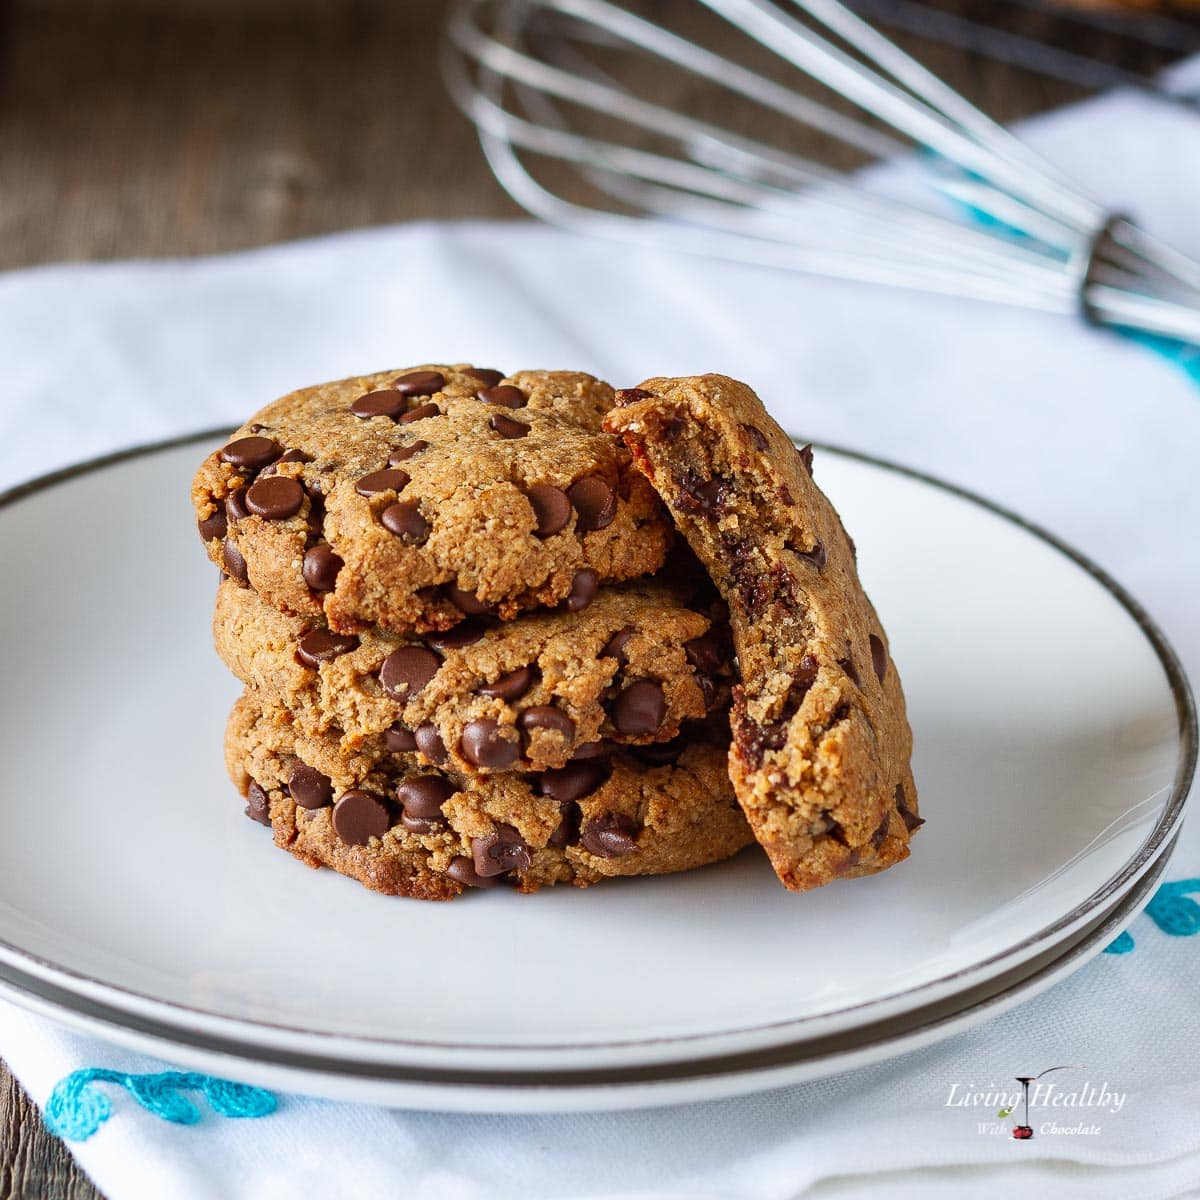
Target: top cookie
(821, 743)
(410, 499)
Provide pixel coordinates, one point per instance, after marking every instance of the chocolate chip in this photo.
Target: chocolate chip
(465, 633)
(235, 564)
(758, 439)
(420, 413)
(707, 652)
(910, 818)
(806, 458)
(321, 645)
(660, 754)
(423, 795)
(546, 716)
(405, 521)
(587, 750)
(358, 816)
(258, 806)
(640, 708)
(595, 502)
(816, 555)
(879, 658)
(847, 665)
(506, 427)
(275, 498)
(625, 396)
(505, 395)
(551, 507)
(399, 740)
(404, 453)
(309, 788)
(407, 670)
(698, 494)
(215, 526)
(235, 506)
(583, 589)
(880, 835)
(610, 836)
(419, 825)
(467, 602)
(387, 402)
(573, 782)
(320, 568)
(484, 745)
(294, 456)
(785, 495)
(390, 479)
(429, 742)
(708, 689)
(485, 375)
(419, 383)
(462, 870)
(567, 830)
(251, 453)
(500, 852)
(615, 646)
(509, 687)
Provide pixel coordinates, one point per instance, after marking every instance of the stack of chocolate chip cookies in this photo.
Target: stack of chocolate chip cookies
(476, 650)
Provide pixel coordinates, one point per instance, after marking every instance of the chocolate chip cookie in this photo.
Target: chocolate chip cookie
(400, 828)
(821, 743)
(634, 667)
(412, 499)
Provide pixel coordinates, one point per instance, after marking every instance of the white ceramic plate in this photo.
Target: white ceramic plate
(589, 1091)
(1055, 742)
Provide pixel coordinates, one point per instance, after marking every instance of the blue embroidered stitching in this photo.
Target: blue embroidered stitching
(1171, 910)
(77, 1108)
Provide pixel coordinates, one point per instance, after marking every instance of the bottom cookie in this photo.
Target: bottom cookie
(405, 830)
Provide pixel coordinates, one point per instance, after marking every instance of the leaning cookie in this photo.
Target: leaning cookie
(821, 743)
(529, 694)
(402, 829)
(412, 499)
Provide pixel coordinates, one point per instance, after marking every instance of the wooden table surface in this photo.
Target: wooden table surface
(141, 127)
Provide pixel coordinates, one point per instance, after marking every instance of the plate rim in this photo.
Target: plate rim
(129, 999)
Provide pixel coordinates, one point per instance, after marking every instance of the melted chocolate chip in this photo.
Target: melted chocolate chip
(214, 526)
(406, 671)
(615, 646)
(595, 502)
(910, 818)
(387, 402)
(321, 567)
(551, 508)
(359, 815)
(486, 375)
(567, 830)
(251, 453)
(610, 836)
(879, 657)
(404, 453)
(390, 479)
(321, 645)
(275, 498)
(419, 383)
(462, 870)
(707, 652)
(758, 439)
(583, 590)
(659, 754)
(574, 781)
(640, 708)
(404, 519)
(467, 602)
(484, 745)
(399, 740)
(465, 633)
(700, 495)
(806, 458)
(235, 564)
(546, 716)
(429, 743)
(816, 555)
(422, 796)
(500, 852)
(506, 427)
(847, 665)
(626, 396)
(880, 835)
(509, 687)
(421, 413)
(308, 787)
(258, 806)
(504, 394)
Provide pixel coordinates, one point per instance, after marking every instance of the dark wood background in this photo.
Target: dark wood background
(179, 127)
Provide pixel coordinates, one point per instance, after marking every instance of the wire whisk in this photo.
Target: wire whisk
(964, 208)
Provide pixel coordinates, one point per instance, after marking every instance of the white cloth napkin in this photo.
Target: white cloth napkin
(1090, 434)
